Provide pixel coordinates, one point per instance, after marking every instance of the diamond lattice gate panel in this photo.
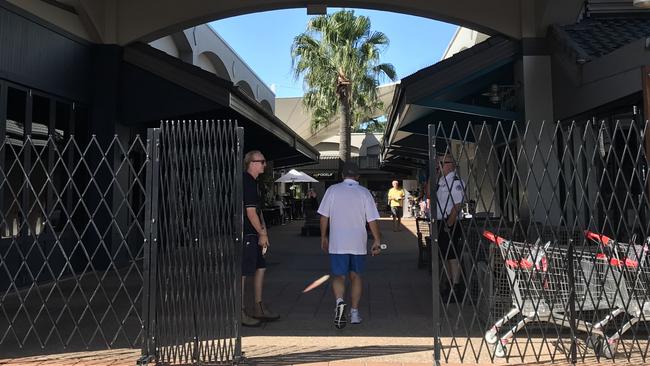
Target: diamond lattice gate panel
(72, 227)
(541, 247)
(194, 250)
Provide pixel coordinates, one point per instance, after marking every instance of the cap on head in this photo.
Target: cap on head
(350, 170)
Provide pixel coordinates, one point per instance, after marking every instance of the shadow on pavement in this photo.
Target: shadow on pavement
(334, 354)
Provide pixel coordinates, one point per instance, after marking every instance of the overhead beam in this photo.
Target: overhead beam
(147, 20)
(470, 109)
(414, 141)
(408, 154)
(423, 152)
(404, 162)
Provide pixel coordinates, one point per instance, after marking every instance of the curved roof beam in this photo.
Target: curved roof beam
(185, 51)
(126, 21)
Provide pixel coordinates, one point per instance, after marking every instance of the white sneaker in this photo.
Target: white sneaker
(355, 318)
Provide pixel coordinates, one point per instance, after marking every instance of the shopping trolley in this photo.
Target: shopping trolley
(539, 284)
(633, 294)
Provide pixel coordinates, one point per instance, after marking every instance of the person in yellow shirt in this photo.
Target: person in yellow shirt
(396, 203)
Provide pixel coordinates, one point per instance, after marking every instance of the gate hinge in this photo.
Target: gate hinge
(145, 360)
(239, 360)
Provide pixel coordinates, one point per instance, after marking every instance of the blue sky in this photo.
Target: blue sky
(263, 41)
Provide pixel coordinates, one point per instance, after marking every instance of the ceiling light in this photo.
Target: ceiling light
(642, 3)
(316, 9)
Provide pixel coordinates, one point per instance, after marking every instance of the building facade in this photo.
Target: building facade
(593, 77)
(366, 146)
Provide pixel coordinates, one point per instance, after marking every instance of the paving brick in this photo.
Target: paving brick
(397, 329)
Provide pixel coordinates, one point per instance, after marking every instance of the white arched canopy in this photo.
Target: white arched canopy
(211, 62)
(246, 88)
(266, 105)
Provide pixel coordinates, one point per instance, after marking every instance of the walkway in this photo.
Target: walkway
(396, 307)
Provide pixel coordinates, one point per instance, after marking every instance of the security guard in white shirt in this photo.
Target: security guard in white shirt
(450, 196)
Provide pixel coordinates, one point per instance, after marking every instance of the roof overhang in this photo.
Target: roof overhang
(147, 20)
(439, 93)
(287, 148)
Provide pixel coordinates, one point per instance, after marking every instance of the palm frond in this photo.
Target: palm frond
(338, 56)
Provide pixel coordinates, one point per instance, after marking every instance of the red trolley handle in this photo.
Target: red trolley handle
(493, 237)
(600, 238)
(627, 262)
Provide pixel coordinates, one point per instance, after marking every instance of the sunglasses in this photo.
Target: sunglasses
(263, 161)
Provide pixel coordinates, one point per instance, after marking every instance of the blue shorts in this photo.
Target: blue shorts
(342, 264)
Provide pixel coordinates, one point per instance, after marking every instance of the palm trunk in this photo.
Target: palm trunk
(345, 148)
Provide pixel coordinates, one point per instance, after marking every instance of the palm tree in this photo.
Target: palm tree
(338, 56)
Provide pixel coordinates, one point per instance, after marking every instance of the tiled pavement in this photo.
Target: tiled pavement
(396, 306)
(396, 324)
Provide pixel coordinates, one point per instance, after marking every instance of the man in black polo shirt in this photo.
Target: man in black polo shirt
(256, 239)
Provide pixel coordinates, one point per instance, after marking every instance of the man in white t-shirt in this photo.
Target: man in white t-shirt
(346, 208)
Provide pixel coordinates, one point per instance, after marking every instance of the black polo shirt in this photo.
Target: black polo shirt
(251, 199)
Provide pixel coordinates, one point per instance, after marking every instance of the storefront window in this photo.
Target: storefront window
(38, 164)
(62, 155)
(11, 189)
(38, 127)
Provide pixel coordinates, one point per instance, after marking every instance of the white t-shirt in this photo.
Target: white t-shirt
(450, 192)
(349, 206)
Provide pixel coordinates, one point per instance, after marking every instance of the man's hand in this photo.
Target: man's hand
(324, 243)
(264, 241)
(376, 248)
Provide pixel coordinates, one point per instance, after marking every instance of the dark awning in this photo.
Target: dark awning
(158, 86)
(456, 117)
(445, 93)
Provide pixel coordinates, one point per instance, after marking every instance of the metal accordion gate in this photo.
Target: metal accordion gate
(194, 224)
(122, 242)
(540, 247)
(71, 247)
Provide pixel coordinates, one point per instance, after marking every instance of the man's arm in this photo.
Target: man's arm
(376, 244)
(453, 215)
(324, 240)
(251, 213)
(457, 197)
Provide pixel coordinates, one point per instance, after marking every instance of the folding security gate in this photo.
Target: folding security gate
(193, 249)
(122, 242)
(71, 223)
(553, 241)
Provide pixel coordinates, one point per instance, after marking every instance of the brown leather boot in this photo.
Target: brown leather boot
(263, 313)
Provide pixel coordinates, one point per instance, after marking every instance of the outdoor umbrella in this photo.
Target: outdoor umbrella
(295, 176)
